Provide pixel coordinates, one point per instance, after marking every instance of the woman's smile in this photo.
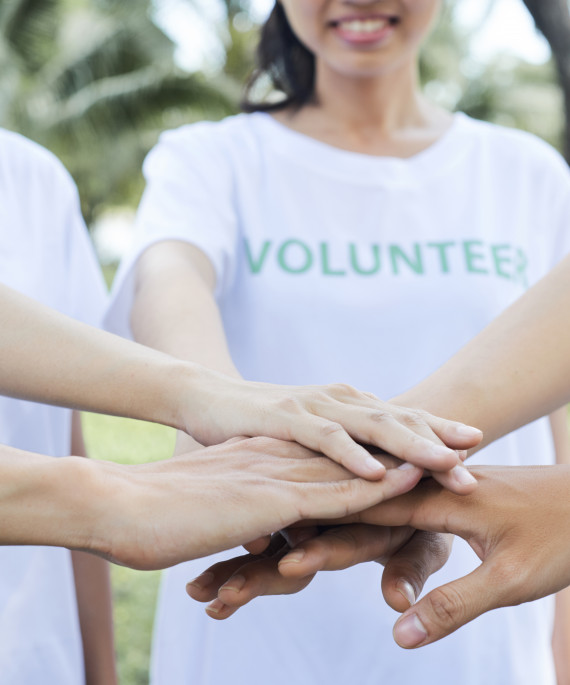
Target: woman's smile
(364, 30)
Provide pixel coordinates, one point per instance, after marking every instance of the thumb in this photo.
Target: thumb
(447, 608)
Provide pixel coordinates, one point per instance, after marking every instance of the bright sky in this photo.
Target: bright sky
(509, 28)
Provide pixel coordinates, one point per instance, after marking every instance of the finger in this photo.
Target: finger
(403, 434)
(447, 608)
(345, 497)
(256, 579)
(332, 440)
(427, 507)
(457, 480)
(341, 547)
(205, 587)
(296, 535)
(258, 546)
(407, 570)
(455, 434)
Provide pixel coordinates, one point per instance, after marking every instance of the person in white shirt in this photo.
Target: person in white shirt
(352, 232)
(55, 609)
(47, 635)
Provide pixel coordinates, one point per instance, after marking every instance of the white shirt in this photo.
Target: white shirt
(45, 253)
(340, 267)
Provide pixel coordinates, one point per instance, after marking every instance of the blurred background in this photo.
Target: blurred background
(96, 81)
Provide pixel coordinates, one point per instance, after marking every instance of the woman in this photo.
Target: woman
(356, 232)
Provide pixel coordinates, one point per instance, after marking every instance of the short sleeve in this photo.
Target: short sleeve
(188, 197)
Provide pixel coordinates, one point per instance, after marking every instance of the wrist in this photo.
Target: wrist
(200, 393)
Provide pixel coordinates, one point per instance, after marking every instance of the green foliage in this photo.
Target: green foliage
(95, 81)
(507, 90)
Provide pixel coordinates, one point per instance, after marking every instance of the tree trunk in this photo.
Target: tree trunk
(552, 18)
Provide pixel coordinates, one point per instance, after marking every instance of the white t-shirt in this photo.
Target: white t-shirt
(335, 266)
(45, 252)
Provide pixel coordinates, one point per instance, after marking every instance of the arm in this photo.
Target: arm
(561, 632)
(513, 372)
(519, 362)
(94, 602)
(119, 377)
(159, 514)
(329, 419)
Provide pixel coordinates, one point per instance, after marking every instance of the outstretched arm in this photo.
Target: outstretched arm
(51, 358)
(159, 514)
(515, 371)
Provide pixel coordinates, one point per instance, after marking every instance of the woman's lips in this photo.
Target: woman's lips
(364, 30)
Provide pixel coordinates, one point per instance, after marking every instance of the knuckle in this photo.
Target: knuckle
(380, 416)
(343, 390)
(331, 428)
(447, 606)
(412, 420)
(290, 405)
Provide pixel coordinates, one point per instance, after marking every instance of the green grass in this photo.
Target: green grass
(134, 592)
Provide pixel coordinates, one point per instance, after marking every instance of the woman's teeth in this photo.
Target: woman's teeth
(364, 26)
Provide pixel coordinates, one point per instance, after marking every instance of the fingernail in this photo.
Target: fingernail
(409, 632)
(462, 476)
(373, 465)
(235, 583)
(202, 580)
(468, 432)
(407, 591)
(406, 466)
(293, 557)
(215, 607)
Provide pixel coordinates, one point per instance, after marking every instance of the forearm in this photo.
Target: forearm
(51, 358)
(174, 309)
(93, 591)
(166, 318)
(514, 371)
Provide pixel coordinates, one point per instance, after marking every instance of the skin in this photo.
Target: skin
(94, 600)
(368, 101)
(517, 521)
(152, 516)
(122, 378)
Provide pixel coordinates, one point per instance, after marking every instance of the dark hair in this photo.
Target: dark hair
(285, 61)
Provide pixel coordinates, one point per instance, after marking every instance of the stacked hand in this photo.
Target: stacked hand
(517, 521)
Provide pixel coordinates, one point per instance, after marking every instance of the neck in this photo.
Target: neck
(386, 103)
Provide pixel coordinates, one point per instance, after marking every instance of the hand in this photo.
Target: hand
(287, 563)
(332, 420)
(231, 584)
(159, 514)
(291, 562)
(518, 523)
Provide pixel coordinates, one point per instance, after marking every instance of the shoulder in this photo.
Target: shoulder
(207, 143)
(21, 157)
(509, 147)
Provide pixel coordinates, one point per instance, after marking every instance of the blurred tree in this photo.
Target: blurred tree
(552, 18)
(506, 90)
(95, 81)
